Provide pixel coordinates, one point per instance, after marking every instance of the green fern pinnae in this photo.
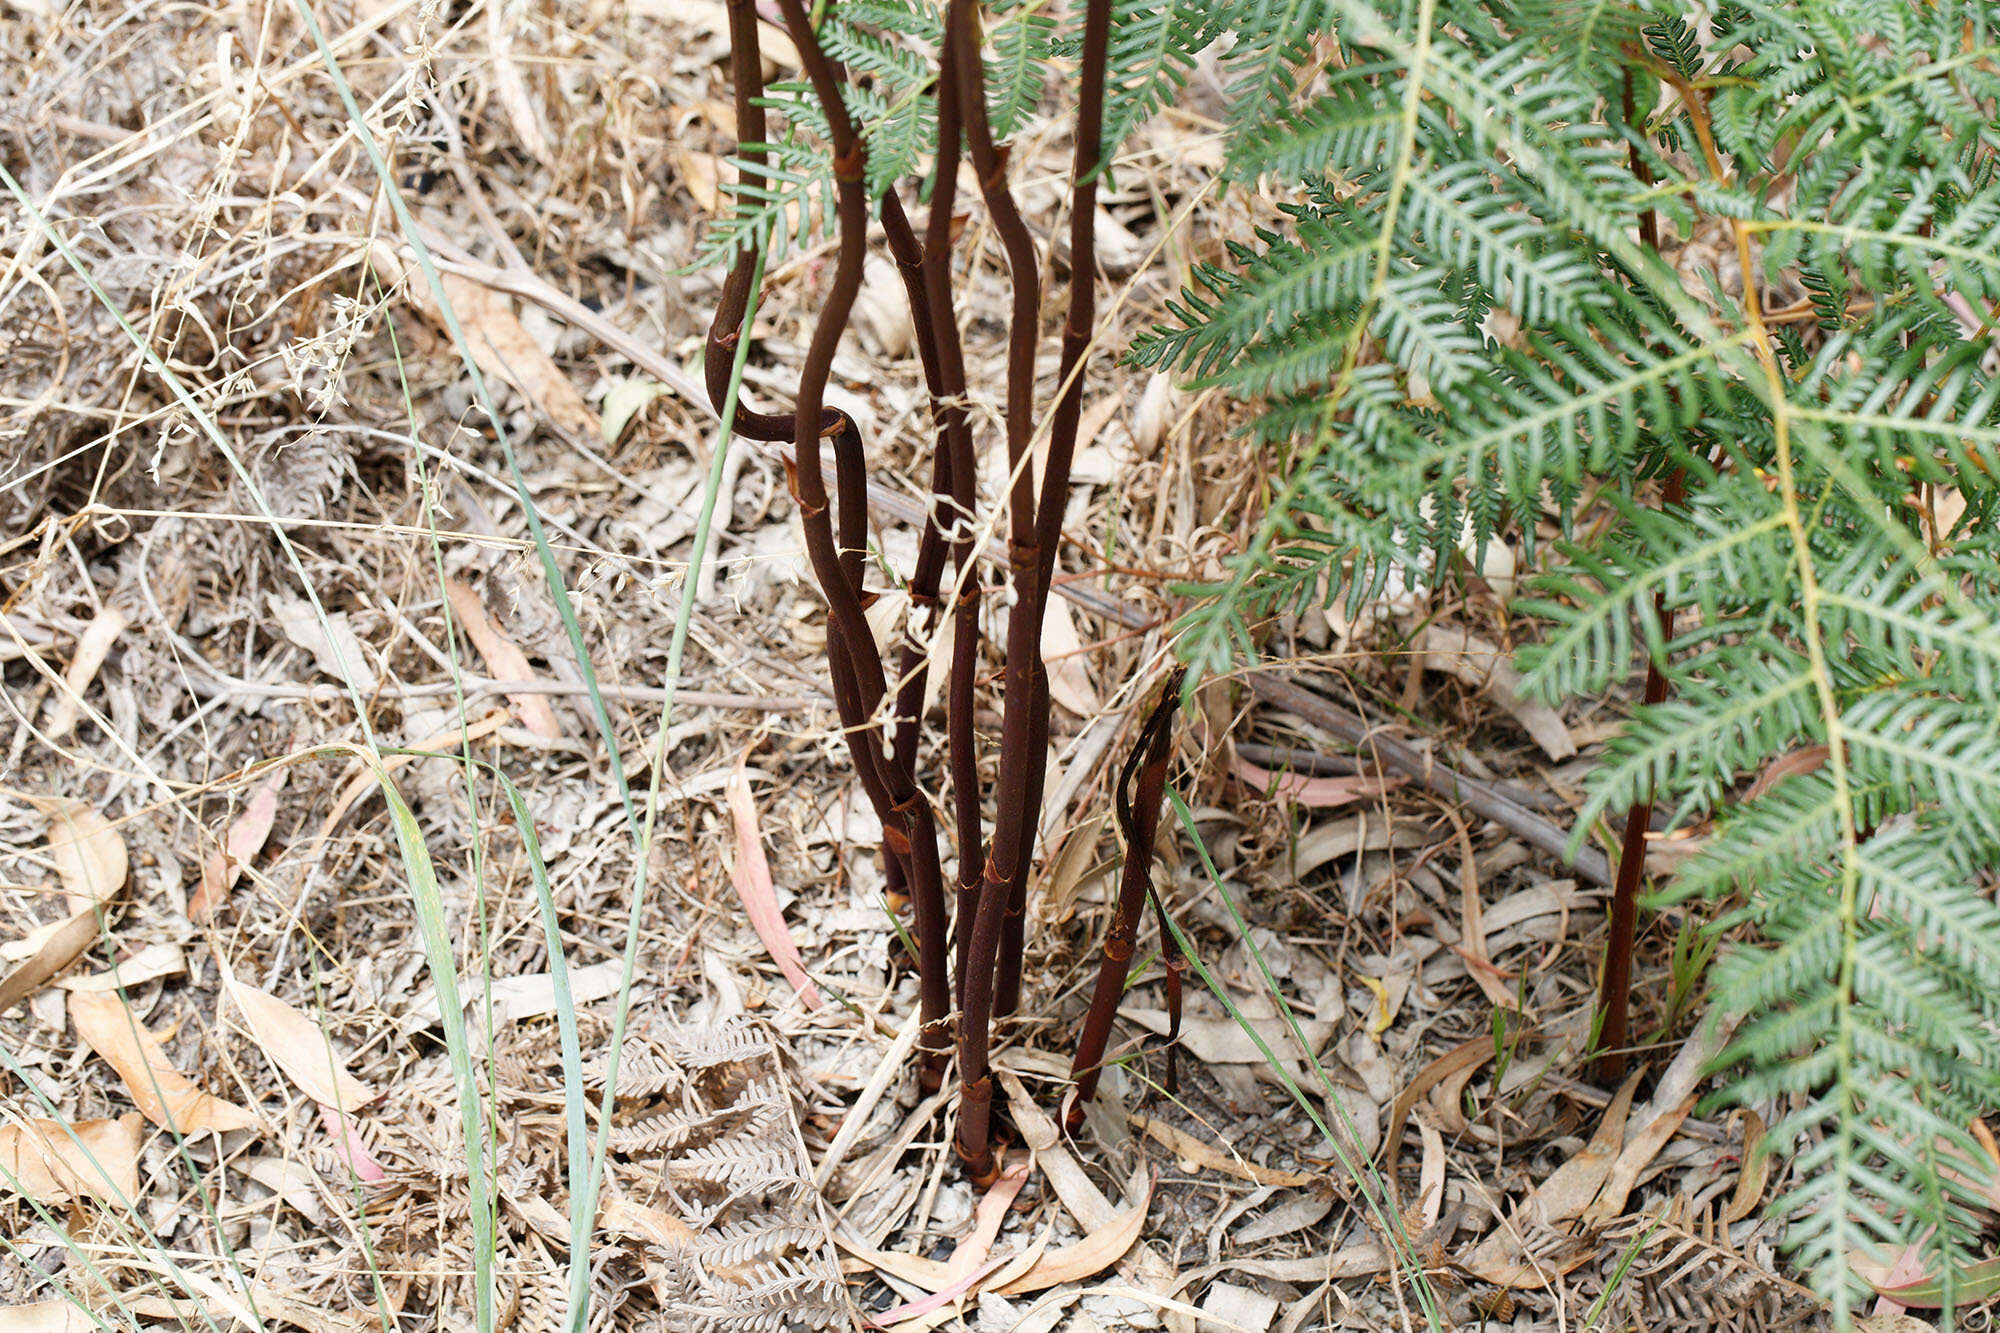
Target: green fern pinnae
(1023, 34)
(1154, 46)
(1486, 158)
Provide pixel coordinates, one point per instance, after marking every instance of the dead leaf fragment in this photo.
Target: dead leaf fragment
(335, 647)
(1088, 1257)
(1069, 668)
(505, 350)
(1460, 653)
(148, 964)
(221, 868)
(1313, 793)
(296, 1045)
(88, 853)
(1192, 1150)
(503, 658)
(656, 1226)
(162, 1093)
(91, 648)
(1567, 1193)
(53, 949)
(41, 1159)
(47, 1317)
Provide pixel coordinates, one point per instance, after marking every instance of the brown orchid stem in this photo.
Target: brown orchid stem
(1614, 998)
(909, 830)
(997, 941)
(962, 495)
(1078, 327)
(932, 964)
(1139, 821)
(1006, 852)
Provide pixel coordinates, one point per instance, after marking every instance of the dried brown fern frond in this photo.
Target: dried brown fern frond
(1691, 1273)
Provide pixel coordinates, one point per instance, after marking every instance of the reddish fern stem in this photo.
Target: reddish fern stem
(1139, 821)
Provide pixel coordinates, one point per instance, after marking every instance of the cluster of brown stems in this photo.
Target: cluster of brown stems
(988, 909)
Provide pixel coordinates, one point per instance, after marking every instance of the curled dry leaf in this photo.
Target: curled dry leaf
(53, 1163)
(751, 874)
(50, 950)
(90, 860)
(1567, 1193)
(1090, 1256)
(91, 647)
(296, 1045)
(503, 658)
(162, 1093)
(221, 868)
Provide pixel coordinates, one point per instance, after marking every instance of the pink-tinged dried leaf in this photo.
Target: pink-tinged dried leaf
(1790, 764)
(40, 1159)
(55, 950)
(296, 1045)
(47, 1317)
(347, 1143)
(221, 868)
(161, 1092)
(1472, 927)
(503, 658)
(1313, 793)
(91, 648)
(1977, 1283)
(751, 874)
(968, 1262)
(88, 854)
(1088, 1257)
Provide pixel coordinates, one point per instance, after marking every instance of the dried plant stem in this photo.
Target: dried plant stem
(1139, 821)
